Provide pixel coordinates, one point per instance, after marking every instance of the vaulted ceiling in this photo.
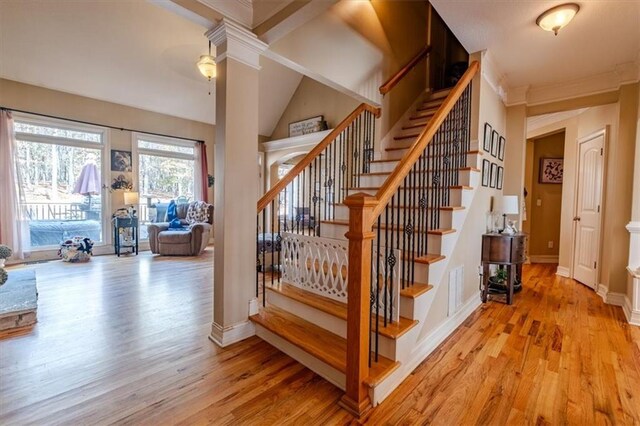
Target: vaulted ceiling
(128, 52)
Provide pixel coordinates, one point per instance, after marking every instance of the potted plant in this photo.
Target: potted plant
(5, 253)
(497, 282)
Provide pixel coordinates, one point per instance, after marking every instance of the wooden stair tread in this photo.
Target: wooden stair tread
(421, 116)
(415, 126)
(448, 208)
(428, 259)
(371, 188)
(410, 136)
(415, 290)
(320, 343)
(324, 304)
(338, 309)
(393, 227)
(473, 169)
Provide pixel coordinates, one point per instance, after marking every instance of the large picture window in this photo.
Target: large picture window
(60, 171)
(168, 169)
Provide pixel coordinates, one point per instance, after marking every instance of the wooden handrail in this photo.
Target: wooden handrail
(405, 165)
(298, 168)
(395, 79)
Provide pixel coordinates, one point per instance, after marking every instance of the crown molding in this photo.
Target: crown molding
(626, 73)
(236, 42)
(489, 70)
(238, 10)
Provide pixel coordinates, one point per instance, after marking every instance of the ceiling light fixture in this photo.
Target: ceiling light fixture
(557, 17)
(207, 66)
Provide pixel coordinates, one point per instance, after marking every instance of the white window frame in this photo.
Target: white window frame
(76, 143)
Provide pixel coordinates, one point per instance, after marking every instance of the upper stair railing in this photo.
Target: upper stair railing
(397, 77)
(309, 192)
(401, 215)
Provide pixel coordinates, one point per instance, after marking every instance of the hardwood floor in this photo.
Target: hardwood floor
(125, 341)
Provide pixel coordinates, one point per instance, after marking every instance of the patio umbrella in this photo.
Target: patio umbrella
(88, 182)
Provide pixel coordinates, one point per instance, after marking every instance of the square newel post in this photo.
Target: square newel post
(360, 235)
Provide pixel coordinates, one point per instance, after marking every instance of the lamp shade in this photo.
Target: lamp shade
(510, 204)
(131, 198)
(557, 17)
(207, 66)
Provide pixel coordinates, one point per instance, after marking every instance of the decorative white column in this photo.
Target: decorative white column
(236, 151)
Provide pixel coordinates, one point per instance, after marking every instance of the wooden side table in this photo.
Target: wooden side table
(504, 250)
(125, 223)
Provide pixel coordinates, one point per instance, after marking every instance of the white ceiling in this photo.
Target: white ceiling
(605, 33)
(128, 52)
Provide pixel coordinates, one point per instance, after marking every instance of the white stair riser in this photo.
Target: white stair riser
(435, 243)
(332, 375)
(464, 178)
(472, 158)
(449, 219)
(383, 167)
(461, 197)
(386, 346)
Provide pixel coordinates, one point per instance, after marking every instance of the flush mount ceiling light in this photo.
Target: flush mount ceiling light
(557, 17)
(207, 66)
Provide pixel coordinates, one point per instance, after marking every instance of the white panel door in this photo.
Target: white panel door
(588, 211)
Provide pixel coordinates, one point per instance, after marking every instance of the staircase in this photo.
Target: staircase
(350, 248)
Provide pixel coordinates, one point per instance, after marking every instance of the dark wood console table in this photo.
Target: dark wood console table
(506, 251)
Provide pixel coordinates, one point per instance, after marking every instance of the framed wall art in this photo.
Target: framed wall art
(486, 172)
(121, 161)
(486, 144)
(500, 177)
(502, 142)
(494, 175)
(551, 170)
(494, 143)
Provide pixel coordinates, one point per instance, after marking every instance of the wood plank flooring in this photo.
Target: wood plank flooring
(124, 341)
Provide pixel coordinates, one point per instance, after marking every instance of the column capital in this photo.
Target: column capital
(237, 42)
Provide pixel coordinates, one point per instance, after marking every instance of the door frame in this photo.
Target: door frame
(605, 131)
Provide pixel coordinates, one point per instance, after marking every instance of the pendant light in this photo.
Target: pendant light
(207, 66)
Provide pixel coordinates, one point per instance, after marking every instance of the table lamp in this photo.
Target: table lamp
(510, 205)
(131, 199)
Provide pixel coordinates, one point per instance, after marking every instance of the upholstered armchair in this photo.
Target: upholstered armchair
(189, 241)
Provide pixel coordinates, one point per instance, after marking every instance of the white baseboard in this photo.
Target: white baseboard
(226, 336)
(632, 316)
(563, 272)
(423, 349)
(543, 258)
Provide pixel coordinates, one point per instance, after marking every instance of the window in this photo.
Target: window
(168, 169)
(58, 200)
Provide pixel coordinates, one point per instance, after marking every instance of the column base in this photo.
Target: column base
(359, 411)
(632, 307)
(225, 336)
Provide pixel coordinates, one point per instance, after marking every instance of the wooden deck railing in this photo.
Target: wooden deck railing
(398, 76)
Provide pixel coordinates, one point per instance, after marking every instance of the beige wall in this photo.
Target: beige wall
(310, 99)
(544, 220)
(36, 99)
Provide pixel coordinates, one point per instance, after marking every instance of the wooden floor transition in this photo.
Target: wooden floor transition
(125, 341)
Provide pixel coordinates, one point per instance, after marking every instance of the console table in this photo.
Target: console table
(125, 223)
(506, 251)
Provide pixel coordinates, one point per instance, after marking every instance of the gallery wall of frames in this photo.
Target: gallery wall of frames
(493, 166)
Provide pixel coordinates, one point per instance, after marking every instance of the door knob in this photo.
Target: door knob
(577, 218)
